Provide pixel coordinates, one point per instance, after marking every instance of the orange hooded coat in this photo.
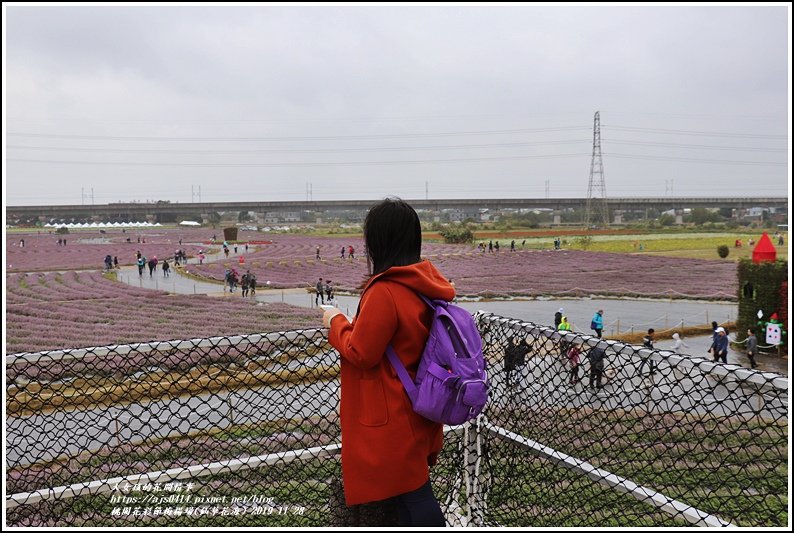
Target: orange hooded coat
(386, 446)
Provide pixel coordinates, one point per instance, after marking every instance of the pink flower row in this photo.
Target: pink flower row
(89, 310)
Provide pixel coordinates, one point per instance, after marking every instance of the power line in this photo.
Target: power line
(391, 163)
(388, 148)
(696, 160)
(304, 164)
(297, 151)
(690, 132)
(311, 138)
(695, 146)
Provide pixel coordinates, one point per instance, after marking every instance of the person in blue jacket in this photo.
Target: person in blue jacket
(721, 346)
(597, 323)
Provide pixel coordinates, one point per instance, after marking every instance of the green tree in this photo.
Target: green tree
(666, 220)
(214, 219)
(457, 234)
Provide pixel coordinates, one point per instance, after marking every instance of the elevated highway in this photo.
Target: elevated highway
(137, 211)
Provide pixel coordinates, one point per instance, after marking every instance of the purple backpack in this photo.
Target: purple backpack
(451, 385)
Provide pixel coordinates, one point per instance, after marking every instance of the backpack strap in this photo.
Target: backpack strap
(402, 373)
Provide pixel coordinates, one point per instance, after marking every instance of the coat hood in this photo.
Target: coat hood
(422, 277)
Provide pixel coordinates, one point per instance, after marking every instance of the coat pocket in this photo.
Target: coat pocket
(372, 403)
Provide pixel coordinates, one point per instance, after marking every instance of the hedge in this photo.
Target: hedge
(759, 288)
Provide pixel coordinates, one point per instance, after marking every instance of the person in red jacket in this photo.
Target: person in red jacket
(387, 447)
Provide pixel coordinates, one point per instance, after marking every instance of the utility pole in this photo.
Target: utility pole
(547, 189)
(427, 191)
(596, 207)
(84, 195)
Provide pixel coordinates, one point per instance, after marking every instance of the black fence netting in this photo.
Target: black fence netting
(244, 431)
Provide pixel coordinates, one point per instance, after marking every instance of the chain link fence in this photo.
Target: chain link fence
(244, 431)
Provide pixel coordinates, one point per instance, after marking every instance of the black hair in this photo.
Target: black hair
(651, 331)
(393, 235)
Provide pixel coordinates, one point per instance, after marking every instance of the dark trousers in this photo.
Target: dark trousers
(574, 374)
(419, 508)
(596, 372)
(598, 332)
(651, 364)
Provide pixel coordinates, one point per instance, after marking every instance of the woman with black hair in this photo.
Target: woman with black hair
(388, 447)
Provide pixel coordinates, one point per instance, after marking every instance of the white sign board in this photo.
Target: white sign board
(773, 334)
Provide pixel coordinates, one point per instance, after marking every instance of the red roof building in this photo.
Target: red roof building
(764, 250)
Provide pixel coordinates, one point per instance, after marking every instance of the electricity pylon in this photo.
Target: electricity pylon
(596, 208)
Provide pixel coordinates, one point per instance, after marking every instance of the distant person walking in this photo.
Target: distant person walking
(342, 251)
(679, 343)
(252, 285)
(329, 292)
(558, 318)
(350, 252)
(714, 336)
(752, 347)
(564, 326)
(721, 346)
(596, 355)
(574, 356)
(319, 288)
(166, 268)
(245, 282)
(141, 262)
(317, 253)
(647, 342)
(597, 323)
(152, 265)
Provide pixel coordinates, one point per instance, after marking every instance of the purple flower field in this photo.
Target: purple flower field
(521, 273)
(48, 310)
(88, 250)
(80, 309)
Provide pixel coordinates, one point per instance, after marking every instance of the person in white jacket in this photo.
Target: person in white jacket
(679, 342)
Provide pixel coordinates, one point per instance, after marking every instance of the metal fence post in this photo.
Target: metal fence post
(474, 474)
(231, 411)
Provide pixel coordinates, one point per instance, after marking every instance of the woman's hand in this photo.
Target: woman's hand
(328, 315)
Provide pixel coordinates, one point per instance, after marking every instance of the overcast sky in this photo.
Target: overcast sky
(140, 103)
